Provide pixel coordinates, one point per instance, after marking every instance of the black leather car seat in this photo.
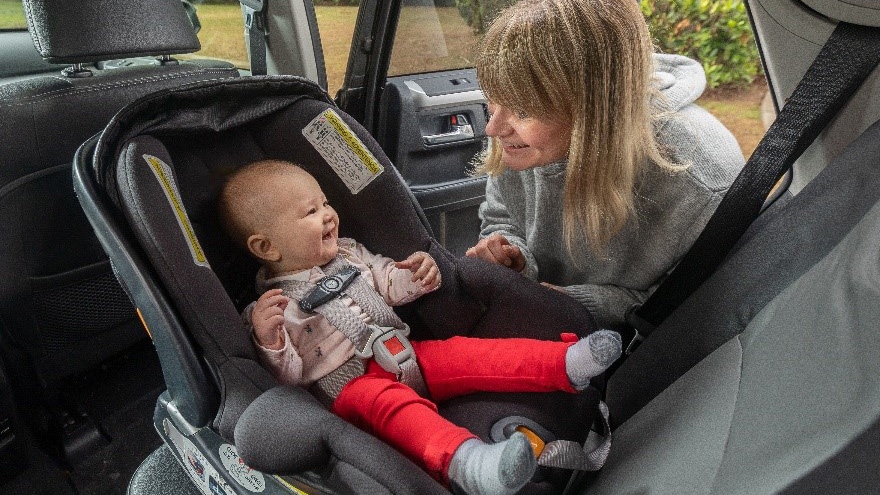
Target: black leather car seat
(61, 309)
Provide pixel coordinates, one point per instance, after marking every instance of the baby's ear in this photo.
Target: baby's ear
(261, 246)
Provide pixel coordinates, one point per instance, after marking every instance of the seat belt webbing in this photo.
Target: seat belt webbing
(257, 27)
(845, 61)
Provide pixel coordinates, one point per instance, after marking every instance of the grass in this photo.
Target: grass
(441, 40)
(11, 14)
(740, 110)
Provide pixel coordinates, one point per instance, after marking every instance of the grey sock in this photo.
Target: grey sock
(497, 469)
(591, 356)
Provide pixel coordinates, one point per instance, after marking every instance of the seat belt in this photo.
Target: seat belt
(257, 28)
(845, 61)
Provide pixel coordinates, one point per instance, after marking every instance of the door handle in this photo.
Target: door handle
(461, 130)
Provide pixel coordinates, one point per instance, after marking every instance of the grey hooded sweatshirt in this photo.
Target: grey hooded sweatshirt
(671, 208)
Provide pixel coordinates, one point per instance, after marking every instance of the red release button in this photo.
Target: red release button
(394, 346)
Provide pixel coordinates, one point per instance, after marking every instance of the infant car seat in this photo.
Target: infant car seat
(149, 184)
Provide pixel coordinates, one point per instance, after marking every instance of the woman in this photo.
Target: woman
(602, 170)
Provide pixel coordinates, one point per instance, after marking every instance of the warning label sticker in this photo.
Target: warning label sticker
(342, 150)
(166, 179)
(240, 472)
(196, 465)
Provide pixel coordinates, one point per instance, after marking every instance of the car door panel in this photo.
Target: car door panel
(432, 126)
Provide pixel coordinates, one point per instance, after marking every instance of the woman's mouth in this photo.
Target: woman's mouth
(514, 147)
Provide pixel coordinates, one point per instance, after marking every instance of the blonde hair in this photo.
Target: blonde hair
(243, 204)
(589, 64)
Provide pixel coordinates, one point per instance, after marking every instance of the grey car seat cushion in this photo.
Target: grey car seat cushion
(800, 383)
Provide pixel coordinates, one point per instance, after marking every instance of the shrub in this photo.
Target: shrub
(715, 32)
(478, 13)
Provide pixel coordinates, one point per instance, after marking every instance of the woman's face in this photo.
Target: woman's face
(527, 142)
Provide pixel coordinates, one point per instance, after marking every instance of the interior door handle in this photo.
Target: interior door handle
(461, 130)
(458, 133)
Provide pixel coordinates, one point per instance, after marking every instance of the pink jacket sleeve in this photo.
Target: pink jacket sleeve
(394, 284)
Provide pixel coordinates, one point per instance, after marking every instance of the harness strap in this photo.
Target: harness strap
(385, 340)
(590, 456)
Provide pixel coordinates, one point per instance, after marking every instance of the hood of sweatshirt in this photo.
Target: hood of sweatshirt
(681, 80)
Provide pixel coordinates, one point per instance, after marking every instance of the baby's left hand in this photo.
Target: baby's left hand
(423, 267)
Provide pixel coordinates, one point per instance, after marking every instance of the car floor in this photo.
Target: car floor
(120, 396)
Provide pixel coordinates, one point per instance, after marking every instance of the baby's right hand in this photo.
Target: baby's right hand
(267, 319)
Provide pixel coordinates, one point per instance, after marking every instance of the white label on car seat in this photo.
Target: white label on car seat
(342, 150)
(166, 179)
(240, 472)
(202, 473)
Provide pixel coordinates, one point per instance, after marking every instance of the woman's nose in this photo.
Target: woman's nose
(497, 125)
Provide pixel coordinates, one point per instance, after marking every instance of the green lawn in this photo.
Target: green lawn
(11, 15)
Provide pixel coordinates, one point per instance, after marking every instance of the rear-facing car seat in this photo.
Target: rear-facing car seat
(61, 309)
(149, 187)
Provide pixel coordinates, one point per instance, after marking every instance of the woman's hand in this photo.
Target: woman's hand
(424, 269)
(497, 249)
(267, 319)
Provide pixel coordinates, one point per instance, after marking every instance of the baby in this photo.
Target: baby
(325, 322)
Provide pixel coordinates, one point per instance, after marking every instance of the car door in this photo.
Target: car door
(410, 81)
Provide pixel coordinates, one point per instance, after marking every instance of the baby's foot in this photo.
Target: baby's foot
(591, 356)
(497, 469)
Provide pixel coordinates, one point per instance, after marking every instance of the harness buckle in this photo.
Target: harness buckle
(389, 347)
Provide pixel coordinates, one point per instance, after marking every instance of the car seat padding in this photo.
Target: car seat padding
(774, 252)
(200, 133)
(802, 381)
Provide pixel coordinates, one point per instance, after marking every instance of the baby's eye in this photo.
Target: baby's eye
(312, 211)
(326, 203)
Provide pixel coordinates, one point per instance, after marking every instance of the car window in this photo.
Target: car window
(222, 32)
(12, 15)
(434, 35)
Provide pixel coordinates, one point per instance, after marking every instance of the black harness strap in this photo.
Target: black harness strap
(844, 62)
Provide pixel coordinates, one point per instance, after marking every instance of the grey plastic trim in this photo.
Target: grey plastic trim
(424, 102)
(862, 12)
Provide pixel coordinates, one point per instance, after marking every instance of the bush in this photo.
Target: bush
(715, 32)
(478, 13)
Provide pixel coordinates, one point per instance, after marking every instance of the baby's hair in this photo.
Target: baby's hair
(242, 204)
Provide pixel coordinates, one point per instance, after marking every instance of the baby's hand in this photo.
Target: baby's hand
(267, 319)
(424, 269)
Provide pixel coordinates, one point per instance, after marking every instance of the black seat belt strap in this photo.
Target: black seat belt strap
(846, 59)
(257, 28)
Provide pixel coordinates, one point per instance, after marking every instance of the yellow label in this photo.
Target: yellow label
(353, 142)
(342, 150)
(163, 174)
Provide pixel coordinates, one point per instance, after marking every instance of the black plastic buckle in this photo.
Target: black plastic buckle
(328, 288)
(637, 323)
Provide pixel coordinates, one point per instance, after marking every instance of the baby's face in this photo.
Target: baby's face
(304, 227)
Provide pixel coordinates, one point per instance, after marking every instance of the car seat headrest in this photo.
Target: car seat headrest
(90, 31)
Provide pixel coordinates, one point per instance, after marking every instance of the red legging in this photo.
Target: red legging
(377, 403)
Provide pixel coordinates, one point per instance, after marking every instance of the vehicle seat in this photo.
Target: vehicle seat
(788, 398)
(190, 282)
(61, 309)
